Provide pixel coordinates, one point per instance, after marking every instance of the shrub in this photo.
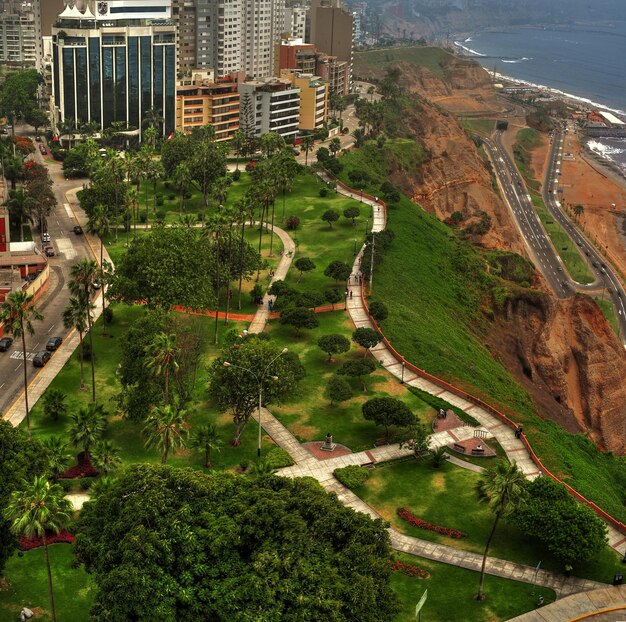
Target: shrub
(278, 458)
(187, 195)
(159, 200)
(293, 222)
(236, 174)
(65, 484)
(323, 192)
(86, 350)
(171, 197)
(256, 294)
(352, 476)
(143, 216)
(378, 310)
(86, 483)
(108, 315)
(160, 215)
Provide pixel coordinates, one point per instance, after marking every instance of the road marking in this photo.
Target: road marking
(68, 210)
(66, 247)
(19, 356)
(51, 327)
(1, 385)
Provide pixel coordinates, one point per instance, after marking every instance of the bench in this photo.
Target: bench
(478, 451)
(459, 448)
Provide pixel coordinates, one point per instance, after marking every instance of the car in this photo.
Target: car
(78, 230)
(96, 285)
(43, 150)
(41, 358)
(53, 343)
(49, 251)
(5, 343)
(38, 138)
(595, 264)
(45, 237)
(560, 268)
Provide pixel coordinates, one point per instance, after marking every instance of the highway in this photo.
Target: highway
(70, 249)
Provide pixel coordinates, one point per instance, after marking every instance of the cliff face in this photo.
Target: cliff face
(568, 357)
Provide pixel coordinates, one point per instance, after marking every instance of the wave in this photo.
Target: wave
(582, 100)
(463, 47)
(604, 150)
(468, 40)
(519, 60)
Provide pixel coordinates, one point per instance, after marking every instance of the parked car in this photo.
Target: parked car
(96, 285)
(41, 358)
(45, 237)
(38, 138)
(49, 251)
(5, 343)
(78, 230)
(53, 343)
(43, 150)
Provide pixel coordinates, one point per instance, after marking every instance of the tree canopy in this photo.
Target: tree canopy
(338, 270)
(387, 412)
(333, 344)
(366, 337)
(175, 544)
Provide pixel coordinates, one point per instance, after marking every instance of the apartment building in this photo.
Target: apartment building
(275, 106)
(296, 18)
(184, 18)
(313, 98)
(19, 36)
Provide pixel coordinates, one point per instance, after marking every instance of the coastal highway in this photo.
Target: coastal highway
(606, 278)
(545, 257)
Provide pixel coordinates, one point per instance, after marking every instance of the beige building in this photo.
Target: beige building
(313, 98)
(184, 16)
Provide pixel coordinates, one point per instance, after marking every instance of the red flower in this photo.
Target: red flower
(406, 515)
(409, 569)
(26, 544)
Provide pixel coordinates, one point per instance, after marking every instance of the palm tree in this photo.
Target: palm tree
(245, 209)
(68, 127)
(162, 353)
(54, 406)
(17, 314)
(307, 144)
(87, 427)
(220, 190)
(260, 468)
(20, 206)
(57, 455)
(153, 118)
(359, 137)
(239, 145)
(579, 210)
(75, 316)
(206, 438)
(502, 488)
(105, 457)
(154, 173)
(38, 508)
(165, 429)
(83, 275)
(181, 180)
(334, 146)
(99, 224)
(188, 221)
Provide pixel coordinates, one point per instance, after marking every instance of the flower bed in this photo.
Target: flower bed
(409, 570)
(406, 515)
(26, 544)
(82, 469)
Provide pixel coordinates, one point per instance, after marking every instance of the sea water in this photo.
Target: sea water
(587, 62)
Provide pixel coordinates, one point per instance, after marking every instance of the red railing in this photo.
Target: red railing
(473, 399)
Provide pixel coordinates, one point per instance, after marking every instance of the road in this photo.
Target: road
(70, 249)
(606, 278)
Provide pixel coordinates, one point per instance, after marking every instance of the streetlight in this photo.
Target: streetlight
(259, 379)
(402, 379)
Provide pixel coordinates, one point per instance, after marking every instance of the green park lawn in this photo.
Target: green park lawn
(27, 586)
(433, 58)
(451, 592)
(446, 497)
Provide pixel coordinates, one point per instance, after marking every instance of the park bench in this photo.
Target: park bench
(459, 447)
(478, 451)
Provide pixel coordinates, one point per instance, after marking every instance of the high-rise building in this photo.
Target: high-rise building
(313, 98)
(184, 17)
(238, 35)
(19, 35)
(332, 31)
(113, 62)
(296, 22)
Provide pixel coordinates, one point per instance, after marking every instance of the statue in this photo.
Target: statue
(328, 443)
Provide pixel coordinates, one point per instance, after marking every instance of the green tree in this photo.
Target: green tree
(439, 456)
(57, 456)
(330, 216)
(304, 264)
(334, 146)
(87, 427)
(378, 310)
(206, 439)
(307, 144)
(239, 145)
(181, 178)
(338, 270)
(17, 314)
(579, 210)
(54, 405)
(161, 358)
(35, 510)
(99, 224)
(572, 532)
(333, 296)
(359, 137)
(502, 488)
(230, 534)
(357, 369)
(174, 152)
(153, 118)
(387, 412)
(333, 344)
(207, 163)
(352, 212)
(105, 457)
(299, 318)
(75, 316)
(366, 338)
(271, 143)
(338, 390)
(165, 430)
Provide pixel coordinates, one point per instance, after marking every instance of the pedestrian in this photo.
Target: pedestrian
(346, 293)
(270, 304)
(350, 294)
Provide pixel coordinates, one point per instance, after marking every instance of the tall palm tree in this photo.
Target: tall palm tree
(307, 144)
(244, 212)
(286, 168)
(75, 316)
(17, 314)
(37, 508)
(87, 427)
(20, 206)
(99, 224)
(153, 118)
(165, 429)
(83, 275)
(334, 146)
(132, 203)
(105, 457)
(206, 438)
(182, 180)
(154, 173)
(502, 488)
(162, 354)
(579, 210)
(57, 455)
(220, 190)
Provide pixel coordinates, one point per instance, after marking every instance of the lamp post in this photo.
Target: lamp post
(402, 379)
(259, 379)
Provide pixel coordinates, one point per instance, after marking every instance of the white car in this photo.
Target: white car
(45, 237)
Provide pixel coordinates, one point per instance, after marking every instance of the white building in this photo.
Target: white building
(19, 36)
(295, 22)
(238, 35)
(275, 106)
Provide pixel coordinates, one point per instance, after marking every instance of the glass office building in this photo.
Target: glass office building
(114, 71)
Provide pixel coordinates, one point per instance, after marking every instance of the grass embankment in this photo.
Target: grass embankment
(527, 140)
(446, 497)
(439, 298)
(451, 592)
(432, 58)
(483, 126)
(27, 586)
(609, 312)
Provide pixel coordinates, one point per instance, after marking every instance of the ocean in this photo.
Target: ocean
(583, 61)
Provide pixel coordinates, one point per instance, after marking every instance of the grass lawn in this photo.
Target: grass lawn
(446, 497)
(609, 312)
(28, 586)
(451, 592)
(484, 126)
(309, 414)
(369, 63)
